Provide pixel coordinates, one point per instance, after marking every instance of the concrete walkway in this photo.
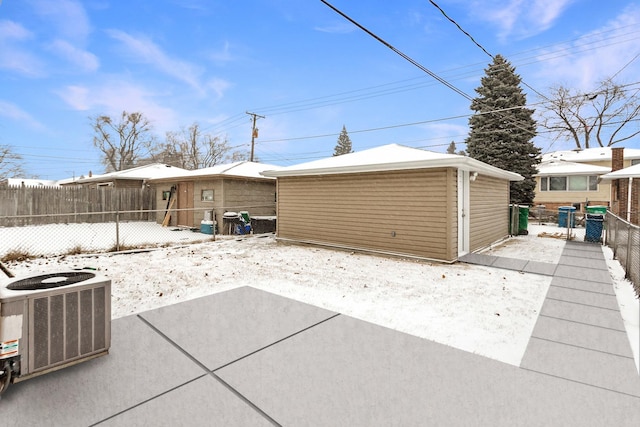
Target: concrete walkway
(247, 357)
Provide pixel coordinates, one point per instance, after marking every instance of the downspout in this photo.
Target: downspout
(629, 199)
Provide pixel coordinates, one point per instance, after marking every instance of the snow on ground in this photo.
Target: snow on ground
(483, 310)
(58, 239)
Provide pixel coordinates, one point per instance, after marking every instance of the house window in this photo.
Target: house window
(569, 183)
(207, 196)
(166, 194)
(557, 183)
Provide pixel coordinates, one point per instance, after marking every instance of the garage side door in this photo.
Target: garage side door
(489, 211)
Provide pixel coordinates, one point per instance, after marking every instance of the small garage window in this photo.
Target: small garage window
(166, 194)
(207, 196)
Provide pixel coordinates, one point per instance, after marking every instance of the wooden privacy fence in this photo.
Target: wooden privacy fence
(36, 206)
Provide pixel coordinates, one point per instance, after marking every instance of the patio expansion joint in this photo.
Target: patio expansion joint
(583, 304)
(275, 342)
(207, 372)
(582, 290)
(213, 374)
(148, 400)
(583, 323)
(582, 383)
(583, 348)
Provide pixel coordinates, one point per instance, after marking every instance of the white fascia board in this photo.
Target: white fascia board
(464, 163)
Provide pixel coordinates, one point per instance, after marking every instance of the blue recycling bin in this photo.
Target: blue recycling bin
(566, 215)
(593, 232)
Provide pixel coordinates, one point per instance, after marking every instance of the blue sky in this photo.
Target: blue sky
(297, 62)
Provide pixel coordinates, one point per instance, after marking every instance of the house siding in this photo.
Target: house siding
(230, 194)
(402, 212)
(488, 210)
(554, 199)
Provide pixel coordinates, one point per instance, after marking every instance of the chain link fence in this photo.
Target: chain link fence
(67, 234)
(624, 240)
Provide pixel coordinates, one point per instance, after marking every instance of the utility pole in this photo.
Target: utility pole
(254, 132)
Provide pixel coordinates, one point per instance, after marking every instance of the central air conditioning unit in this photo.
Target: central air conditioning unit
(52, 321)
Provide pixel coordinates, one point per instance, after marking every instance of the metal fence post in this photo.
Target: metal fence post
(117, 231)
(627, 261)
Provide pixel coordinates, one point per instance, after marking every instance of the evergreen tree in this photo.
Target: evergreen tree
(451, 149)
(344, 143)
(502, 130)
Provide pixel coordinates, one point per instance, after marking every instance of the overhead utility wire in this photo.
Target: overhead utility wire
(478, 44)
(403, 55)
(459, 27)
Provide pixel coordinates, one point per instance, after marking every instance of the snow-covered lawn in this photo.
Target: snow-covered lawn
(482, 310)
(59, 239)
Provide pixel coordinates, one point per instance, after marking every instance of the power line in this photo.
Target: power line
(403, 55)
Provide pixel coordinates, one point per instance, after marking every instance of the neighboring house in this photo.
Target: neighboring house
(570, 178)
(395, 200)
(625, 187)
(223, 188)
(564, 183)
(27, 182)
(129, 178)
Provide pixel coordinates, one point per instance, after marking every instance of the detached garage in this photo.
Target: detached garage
(395, 200)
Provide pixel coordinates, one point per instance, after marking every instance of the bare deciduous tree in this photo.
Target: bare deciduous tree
(10, 163)
(122, 140)
(191, 149)
(605, 117)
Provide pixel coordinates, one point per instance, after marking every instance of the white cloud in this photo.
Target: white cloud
(68, 16)
(519, 18)
(597, 55)
(78, 57)
(146, 51)
(14, 55)
(223, 55)
(10, 30)
(117, 95)
(337, 28)
(219, 86)
(13, 112)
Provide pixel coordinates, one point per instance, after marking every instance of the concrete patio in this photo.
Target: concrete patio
(248, 357)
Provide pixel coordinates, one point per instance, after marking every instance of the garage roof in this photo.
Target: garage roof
(630, 172)
(389, 158)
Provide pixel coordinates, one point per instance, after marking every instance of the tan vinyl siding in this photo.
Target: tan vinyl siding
(229, 194)
(489, 210)
(403, 212)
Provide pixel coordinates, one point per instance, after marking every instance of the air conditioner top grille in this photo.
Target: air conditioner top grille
(48, 281)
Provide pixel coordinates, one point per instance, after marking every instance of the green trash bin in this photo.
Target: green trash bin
(601, 210)
(523, 219)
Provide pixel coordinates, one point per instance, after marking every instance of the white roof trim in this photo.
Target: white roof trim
(429, 160)
(630, 172)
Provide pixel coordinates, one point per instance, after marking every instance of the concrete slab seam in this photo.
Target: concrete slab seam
(532, 270)
(583, 290)
(148, 400)
(275, 342)
(583, 304)
(207, 371)
(173, 343)
(581, 347)
(583, 383)
(245, 399)
(583, 323)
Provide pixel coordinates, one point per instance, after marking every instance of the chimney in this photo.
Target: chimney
(90, 174)
(617, 158)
